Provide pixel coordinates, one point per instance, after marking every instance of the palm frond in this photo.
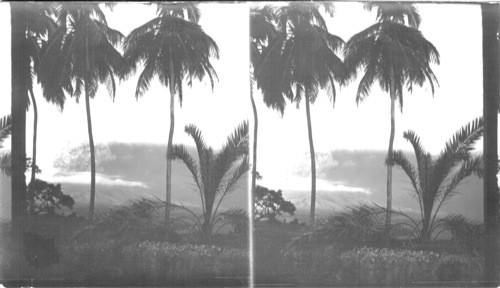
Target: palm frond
(399, 159)
(5, 128)
(403, 13)
(226, 187)
(180, 152)
(458, 148)
(6, 164)
(361, 223)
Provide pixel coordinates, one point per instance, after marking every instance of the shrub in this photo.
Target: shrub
(355, 225)
(313, 264)
(386, 267)
(157, 262)
(270, 203)
(458, 268)
(49, 198)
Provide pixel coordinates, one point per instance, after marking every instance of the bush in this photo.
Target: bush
(313, 264)
(458, 268)
(386, 267)
(159, 263)
(270, 203)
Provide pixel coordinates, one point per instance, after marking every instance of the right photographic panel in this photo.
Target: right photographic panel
(375, 143)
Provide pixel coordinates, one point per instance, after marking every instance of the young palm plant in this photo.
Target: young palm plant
(216, 173)
(434, 181)
(298, 62)
(80, 55)
(393, 52)
(174, 48)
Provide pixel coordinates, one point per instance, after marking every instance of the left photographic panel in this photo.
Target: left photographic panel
(124, 144)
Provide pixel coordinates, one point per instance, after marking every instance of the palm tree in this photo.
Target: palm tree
(39, 25)
(298, 62)
(434, 181)
(81, 55)
(215, 174)
(394, 53)
(491, 73)
(174, 48)
(262, 32)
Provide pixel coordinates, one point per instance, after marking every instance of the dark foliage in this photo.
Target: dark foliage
(50, 197)
(39, 251)
(271, 203)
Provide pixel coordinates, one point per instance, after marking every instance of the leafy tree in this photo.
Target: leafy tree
(271, 203)
(298, 62)
(216, 173)
(434, 181)
(40, 23)
(174, 48)
(393, 52)
(49, 198)
(81, 54)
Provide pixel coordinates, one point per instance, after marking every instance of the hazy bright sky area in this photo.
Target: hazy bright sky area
(455, 30)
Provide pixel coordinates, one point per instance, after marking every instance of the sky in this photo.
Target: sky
(146, 120)
(455, 30)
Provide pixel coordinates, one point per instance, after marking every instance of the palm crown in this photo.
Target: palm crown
(300, 59)
(81, 54)
(391, 52)
(171, 48)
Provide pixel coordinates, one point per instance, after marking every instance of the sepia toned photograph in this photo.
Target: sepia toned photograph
(249, 144)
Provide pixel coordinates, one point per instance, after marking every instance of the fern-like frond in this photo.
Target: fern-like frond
(6, 164)
(5, 127)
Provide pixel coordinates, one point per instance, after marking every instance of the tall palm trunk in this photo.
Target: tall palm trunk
(19, 96)
(313, 164)
(33, 163)
(491, 74)
(169, 146)
(389, 157)
(92, 156)
(91, 137)
(254, 155)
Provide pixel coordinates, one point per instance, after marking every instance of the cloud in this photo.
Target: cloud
(299, 184)
(101, 179)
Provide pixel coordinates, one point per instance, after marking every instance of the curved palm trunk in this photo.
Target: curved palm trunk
(491, 73)
(33, 163)
(92, 156)
(389, 156)
(254, 155)
(91, 137)
(19, 95)
(313, 164)
(168, 197)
